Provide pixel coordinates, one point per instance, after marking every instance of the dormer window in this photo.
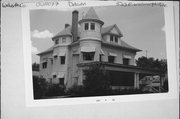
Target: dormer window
(113, 39)
(116, 39)
(92, 26)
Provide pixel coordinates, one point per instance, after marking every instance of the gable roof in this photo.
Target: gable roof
(107, 29)
(91, 15)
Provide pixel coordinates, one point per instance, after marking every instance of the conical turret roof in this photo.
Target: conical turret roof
(91, 15)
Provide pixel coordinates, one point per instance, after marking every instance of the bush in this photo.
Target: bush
(39, 87)
(55, 90)
(97, 81)
(76, 90)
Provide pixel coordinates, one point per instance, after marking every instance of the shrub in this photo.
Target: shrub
(55, 90)
(97, 81)
(76, 90)
(39, 87)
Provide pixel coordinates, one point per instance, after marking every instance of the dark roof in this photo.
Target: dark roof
(91, 15)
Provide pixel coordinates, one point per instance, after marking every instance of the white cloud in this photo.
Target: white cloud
(42, 34)
(34, 50)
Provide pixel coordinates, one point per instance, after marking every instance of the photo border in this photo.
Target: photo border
(170, 50)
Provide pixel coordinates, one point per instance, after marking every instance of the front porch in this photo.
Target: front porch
(129, 76)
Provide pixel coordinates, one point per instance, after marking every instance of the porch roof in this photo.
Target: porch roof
(123, 68)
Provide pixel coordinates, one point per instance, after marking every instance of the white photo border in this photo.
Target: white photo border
(171, 58)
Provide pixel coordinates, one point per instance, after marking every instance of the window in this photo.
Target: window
(57, 41)
(64, 40)
(86, 26)
(44, 65)
(51, 61)
(61, 81)
(100, 58)
(55, 57)
(111, 59)
(88, 56)
(116, 40)
(63, 59)
(54, 76)
(92, 26)
(125, 61)
(111, 38)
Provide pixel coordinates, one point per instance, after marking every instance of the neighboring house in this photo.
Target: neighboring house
(85, 42)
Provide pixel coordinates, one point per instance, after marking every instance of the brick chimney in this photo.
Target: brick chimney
(67, 25)
(75, 25)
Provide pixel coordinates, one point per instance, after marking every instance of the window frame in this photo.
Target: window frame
(116, 39)
(54, 76)
(62, 59)
(86, 26)
(111, 59)
(44, 65)
(61, 80)
(92, 26)
(111, 38)
(88, 56)
(126, 59)
(56, 41)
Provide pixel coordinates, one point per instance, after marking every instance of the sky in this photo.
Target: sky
(142, 27)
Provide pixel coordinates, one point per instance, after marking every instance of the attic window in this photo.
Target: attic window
(92, 26)
(111, 38)
(116, 40)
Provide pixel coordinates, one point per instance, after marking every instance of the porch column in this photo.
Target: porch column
(136, 80)
(161, 82)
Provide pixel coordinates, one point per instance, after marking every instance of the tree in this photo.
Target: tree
(97, 80)
(152, 63)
